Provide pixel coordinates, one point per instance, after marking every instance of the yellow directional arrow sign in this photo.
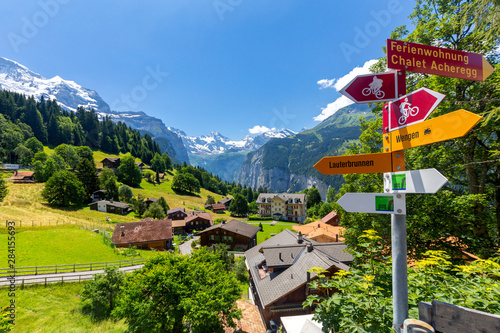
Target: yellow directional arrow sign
(449, 126)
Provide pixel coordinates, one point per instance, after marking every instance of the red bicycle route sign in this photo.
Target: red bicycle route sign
(413, 108)
(370, 88)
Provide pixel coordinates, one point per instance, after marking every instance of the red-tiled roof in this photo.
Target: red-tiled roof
(218, 206)
(329, 216)
(147, 230)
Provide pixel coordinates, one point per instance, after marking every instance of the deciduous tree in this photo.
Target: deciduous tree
(174, 293)
(63, 189)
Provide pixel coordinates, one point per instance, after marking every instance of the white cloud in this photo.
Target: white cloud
(338, 84)
(260, 129)
(325, 83)
(333, 107)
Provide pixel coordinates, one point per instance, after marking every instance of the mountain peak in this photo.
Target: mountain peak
(68, 94)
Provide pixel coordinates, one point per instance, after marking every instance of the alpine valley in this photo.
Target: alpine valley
(281, 161)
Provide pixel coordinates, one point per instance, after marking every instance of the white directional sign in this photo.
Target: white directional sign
(415, 181)
(376, 203)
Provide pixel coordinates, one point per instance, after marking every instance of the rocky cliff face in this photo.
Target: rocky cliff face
(253, 174)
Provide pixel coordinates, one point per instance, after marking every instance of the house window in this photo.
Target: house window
(224, 238)
(211, 237)
(230, 238)
(196, 222)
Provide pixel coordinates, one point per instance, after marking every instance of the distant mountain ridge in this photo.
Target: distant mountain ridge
(216, 143)
(287, 164)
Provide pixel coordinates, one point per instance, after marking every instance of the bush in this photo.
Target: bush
(99, 295)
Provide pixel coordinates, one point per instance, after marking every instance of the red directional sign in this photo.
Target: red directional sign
(413, 108)
(370, 88)
(437, 60)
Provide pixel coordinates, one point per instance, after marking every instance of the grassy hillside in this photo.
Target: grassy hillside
(25, 203)
(55, 308)
(58, 246)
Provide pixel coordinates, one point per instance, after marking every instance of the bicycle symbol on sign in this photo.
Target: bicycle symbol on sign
(374, 88)
(406, 110)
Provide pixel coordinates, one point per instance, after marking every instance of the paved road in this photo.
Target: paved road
(53, 278)
(186, 247)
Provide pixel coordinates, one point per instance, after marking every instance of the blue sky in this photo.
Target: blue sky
(232, 66)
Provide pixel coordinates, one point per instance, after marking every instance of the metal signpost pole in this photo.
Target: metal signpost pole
(399, 271)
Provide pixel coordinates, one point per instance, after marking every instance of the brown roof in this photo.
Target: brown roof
(111, 159)
(203, 215)
(112, 203)
(237, 227)
(316, 229)
(225, 200)
(21, 175)
(147, 230)
(218, 206)
(174, 210)
(329, 216)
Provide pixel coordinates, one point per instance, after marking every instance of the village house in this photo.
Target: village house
(235, 234)
(278, 272)
(218, 208)
(146, 234)
(331, 218)
(197, 221)
(176, 214)
(226, 202)
(20, 177)
(111, 162)
(149, 201)
(283, 206)
(111, 206)
(321, 232)
(99, 195)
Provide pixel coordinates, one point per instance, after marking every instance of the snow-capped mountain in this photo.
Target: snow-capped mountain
(15, 77)
(216, 143)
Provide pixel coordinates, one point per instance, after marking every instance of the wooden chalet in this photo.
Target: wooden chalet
(99, 195)
(177, 214)
(20, 177)
(146, 234)
(331, 218)
(197, 221)
(218, 208)
(237, 235)
(279, 276)
(141, 165)
(111, 162)
(113, 207)
(226, 202)
(149, 201)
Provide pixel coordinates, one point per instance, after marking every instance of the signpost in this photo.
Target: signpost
(414, 181)
(376, 203)
(405, 126)
(367, 163)
(436, 60)
(370, 88)
(413, 108)
(449, 126)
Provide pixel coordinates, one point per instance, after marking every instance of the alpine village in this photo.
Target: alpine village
(385, 217)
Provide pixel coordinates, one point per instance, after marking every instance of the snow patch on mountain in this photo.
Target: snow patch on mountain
(17, 78)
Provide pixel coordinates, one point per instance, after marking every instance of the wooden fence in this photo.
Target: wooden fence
(33, 224)
(26, 280)
(444, 317)
(37, 270)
